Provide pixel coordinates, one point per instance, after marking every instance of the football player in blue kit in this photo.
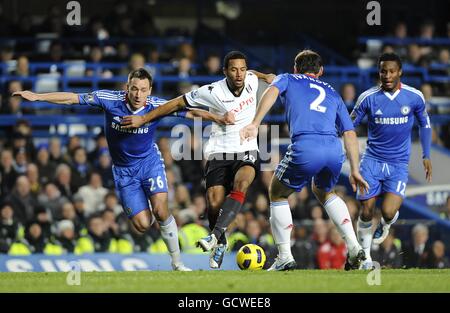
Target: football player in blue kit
(138, 166)
(390, 108)
(314, 113)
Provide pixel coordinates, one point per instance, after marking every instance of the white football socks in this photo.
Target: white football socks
(383, 222)
(169, 233)
(365, 236)
(281, 223)
(338, 212)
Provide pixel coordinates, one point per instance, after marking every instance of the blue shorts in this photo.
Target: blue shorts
(383, 177)
(311, 157)
(136, 184)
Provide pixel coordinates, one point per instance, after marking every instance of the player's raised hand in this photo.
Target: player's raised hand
(428, 169)
(132, 121)
(357, 181)
(248, 132)
(229, 118)
(27, 95)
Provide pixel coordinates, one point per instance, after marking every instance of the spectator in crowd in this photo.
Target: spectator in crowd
(52, 199)
(9, 227)
(8, 174)
(56, 155)
(93, 193)
(22, 201)
(333, 252)
(63, 180)
(348, 93)
(320, 232)
(65, 236)
(417, 253)
(104, 168)
(33, 177)
(68, 212)
(387, 254)
(45, 168)
(304, 250)
(111, 202)
(96, 58)
(437, 258)
(98, 238)
(80, 168)
(22, 67)
(211, 66)
(20, 161)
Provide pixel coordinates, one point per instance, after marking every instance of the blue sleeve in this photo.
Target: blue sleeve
(281, 82)
(425, 132)
(97, 98)
(360, 109)
(343, 120)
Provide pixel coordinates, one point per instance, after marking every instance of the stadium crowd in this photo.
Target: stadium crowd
(57, 196)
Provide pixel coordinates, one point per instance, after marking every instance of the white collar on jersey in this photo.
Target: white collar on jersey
(392, 96)
(137, 111)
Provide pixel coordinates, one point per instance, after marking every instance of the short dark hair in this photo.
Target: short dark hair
(390, 56)
(140, 73)
(232, 55)
(308, 61)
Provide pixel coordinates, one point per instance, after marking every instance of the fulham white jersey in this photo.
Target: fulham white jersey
(219, 99)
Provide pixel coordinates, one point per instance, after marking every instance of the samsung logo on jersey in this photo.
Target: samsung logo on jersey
(129, 131)
(391, 120)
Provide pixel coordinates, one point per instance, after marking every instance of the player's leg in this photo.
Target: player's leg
(394, 187)
(168, 227)
(154, 184)
(389, 211)
(323, 188)
(338, 212)
(215, 200)
(281, 222)
(372, 171)
(234, 201)
(217, 179)
(215, 197)
(364, 229)
(133, 198)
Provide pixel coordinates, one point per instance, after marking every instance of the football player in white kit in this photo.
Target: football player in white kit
(231, 166)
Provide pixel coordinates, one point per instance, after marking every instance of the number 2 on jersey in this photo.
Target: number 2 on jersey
(315, 105)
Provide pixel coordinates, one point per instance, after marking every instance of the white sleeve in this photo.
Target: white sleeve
(202, 98)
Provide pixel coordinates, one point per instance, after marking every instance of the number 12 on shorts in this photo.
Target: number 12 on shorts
(401, 187)
(159, 183)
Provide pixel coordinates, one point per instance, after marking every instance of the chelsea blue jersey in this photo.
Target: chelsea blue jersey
(312, 106)
(127, 146)
(390, 121)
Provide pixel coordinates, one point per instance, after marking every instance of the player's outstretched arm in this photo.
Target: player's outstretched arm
(135, 121)
(265, 104)
(268, 78)
(352, 149)
(226, 119)
(53, 97)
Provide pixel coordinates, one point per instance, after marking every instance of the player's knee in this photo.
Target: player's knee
(160, 214)
(214, 205)
(141, 224)
(366, 213)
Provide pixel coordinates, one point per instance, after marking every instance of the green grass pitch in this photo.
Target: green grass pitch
(413, 280)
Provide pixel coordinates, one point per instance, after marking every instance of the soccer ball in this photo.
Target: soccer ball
(251, 257)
